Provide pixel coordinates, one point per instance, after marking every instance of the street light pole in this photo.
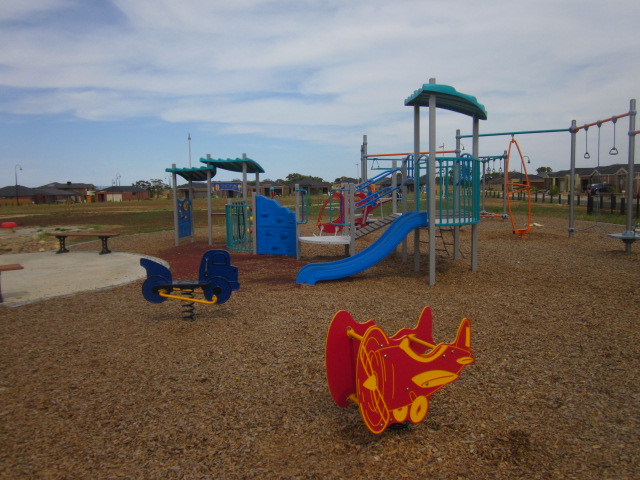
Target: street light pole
(189, 141)
(16, 172)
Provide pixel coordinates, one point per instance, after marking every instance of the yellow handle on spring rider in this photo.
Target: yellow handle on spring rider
(163, 293)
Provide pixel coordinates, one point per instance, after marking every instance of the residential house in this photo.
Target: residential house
(615, 175)
(21, 195)
(122, 194)
(80, 192)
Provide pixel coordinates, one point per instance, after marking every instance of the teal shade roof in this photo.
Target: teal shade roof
(448, 98)
(234, 164)
(193, 174)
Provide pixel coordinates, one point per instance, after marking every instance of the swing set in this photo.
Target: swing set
(514, 188)
(628, 236)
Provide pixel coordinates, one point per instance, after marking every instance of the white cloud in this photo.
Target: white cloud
(321, 72)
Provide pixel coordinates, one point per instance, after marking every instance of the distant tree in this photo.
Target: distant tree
(297, 177)
(155, 186)
(146, 184)
(544, 170)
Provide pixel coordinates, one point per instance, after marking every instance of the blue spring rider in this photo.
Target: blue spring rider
(217, 278)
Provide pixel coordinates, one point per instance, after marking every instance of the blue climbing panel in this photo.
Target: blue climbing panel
(184, 218)
(275, 227)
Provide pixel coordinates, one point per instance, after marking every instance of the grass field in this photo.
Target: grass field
(157, 215)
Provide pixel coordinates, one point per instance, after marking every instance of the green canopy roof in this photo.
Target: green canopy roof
(448, 98)
(193, 174)
(234, 164)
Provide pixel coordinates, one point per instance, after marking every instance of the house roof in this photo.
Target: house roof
(448, 98)
(56, 192)
(10, 191)
(313, 183)
(602, 170)
(121, 189)
(67, 185)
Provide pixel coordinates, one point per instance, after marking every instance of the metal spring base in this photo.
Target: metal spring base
(188, 308)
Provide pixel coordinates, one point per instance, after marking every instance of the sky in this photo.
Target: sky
(109, 91)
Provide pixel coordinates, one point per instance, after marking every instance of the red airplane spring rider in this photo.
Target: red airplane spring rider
(391, 378)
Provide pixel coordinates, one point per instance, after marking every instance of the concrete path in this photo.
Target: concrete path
(48, 274)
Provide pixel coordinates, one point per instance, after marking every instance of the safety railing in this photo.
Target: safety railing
(238, 217)
(457, 190)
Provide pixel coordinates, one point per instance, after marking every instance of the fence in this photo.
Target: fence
(614, 203)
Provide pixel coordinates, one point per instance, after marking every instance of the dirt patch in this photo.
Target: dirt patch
(110, 386)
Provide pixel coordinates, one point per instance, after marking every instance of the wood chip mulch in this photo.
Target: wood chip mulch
(107, 385)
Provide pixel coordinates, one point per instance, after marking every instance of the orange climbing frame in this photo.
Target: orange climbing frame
(517, 187)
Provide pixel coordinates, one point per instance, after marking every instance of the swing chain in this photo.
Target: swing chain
(586, 142)
(614, 150)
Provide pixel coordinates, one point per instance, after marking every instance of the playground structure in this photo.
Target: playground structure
(452, 194)
(391, 379)
(217, 278)
(182, 209)
(629, 236)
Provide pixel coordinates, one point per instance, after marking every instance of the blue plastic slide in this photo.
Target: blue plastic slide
(367, 258)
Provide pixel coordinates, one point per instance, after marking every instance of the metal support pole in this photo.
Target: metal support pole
(351, 215)
(298, 215)
(416, 183)
(476, 226)
(394, 186)
(363, 160)
(244, 179)
(175, 207)
(505, 164)
(456, 200)
(431, 189)
(209, 209)
(630, 174)
(191, 200)
(403, 189)
(254, 230)
(573, 172)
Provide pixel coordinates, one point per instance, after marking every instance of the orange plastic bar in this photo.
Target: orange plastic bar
(352, 334)
(408, 153)
(603, 121)
(636, 132)
(415, 339)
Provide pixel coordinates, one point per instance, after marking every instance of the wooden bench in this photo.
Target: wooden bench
(8, 268)
(62, 238)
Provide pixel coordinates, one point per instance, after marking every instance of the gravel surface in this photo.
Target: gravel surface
(107, 385)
